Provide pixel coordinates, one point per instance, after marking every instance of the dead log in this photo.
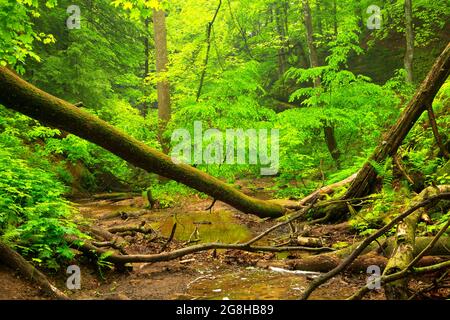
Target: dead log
(124, 214)
(364, 182)
(406, 246)
(19, 95)
(361, 247)
(409, 269)
(115, 196)
(117, 242)
(321, 192)
(15, 261)
(132, 228)
(309, 241)
(326, 262)
(88, 248)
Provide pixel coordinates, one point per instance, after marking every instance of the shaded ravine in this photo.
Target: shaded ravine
(205, 276)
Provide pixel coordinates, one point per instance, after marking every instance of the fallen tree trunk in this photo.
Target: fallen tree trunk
(361, 247)
(117, 259)
(19, 95)
(406, 246)
(324, 191)
(328, 261)
(364, 182)
(411, 269)
(15, 261)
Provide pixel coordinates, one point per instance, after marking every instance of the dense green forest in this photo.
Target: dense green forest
(224, 137)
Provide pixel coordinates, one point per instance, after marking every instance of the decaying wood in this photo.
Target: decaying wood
(115, 196)
(436, 134)
(89, 248)
(326, 190)
(124, 214)
(117, 241)
(399, 290)
(15, 261)
(309, 242)
(405, 246)
(141, 228)
(364, 182)
(326, 262)
(17, 94)
(364, 244)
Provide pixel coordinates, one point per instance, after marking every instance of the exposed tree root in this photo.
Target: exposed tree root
(116, 241)
(16, 262)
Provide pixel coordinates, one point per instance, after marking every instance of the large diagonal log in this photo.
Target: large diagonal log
(365, 180)
(19, 95)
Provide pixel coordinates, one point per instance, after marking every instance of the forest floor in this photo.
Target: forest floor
(222, 274)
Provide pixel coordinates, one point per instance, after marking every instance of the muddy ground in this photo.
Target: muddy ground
(223, 274)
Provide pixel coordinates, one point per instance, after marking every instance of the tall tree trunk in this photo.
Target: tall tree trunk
(17, 94)
(163, 88)
(335, 21)
(313, 58)
(208, 49)
(144, 109)
(279, 15)
(328, 130)
(365, 180)
(146, 48)
(319, 13)
(409, 34)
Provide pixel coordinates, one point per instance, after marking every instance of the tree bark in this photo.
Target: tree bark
(328, 130)
(436, 134)
(162, 86)
(328, 261)
(409, 34)
(405, 246)
(17, 94)
(282, 54)
(15, 261)
(313, 58)
(365, 180)
(208, 49)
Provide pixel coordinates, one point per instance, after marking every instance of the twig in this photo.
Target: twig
(405, 272)
(430, 287)
(325, 277)
(436, 134)
(402, 170)
(211, 206)
(208, 48)
(169, 240)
